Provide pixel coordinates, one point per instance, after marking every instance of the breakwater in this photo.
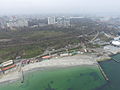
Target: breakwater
(22, 77)
(103, 73)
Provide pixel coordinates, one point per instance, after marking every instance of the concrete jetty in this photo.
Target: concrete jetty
(22, 77)
(103, 73)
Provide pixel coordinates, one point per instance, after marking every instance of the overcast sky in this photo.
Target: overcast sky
(59, 6)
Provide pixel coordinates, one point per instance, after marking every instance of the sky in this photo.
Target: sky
(59, 6)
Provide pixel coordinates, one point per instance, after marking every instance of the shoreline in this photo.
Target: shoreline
(107, 58)
(42, 69)
(65, 62)
(54, 63)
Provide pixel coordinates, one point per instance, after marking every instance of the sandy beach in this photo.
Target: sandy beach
(76, 60)
(63, 62)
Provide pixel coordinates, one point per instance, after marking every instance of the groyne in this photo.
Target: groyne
(103, 73)
(22, 77)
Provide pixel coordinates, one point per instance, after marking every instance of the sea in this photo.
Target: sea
(112, 70)
(71, 78)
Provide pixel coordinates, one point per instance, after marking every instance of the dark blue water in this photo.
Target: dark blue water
(112, 70)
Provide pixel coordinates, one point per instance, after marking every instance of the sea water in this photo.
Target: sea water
(71, 78)
(112, 70)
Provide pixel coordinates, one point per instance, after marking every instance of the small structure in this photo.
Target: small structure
(64, 54)
(10, 62)
(46, 57)
(8, 67)
(1, 65)
(1, 72)
(34, 60)
(25, 61)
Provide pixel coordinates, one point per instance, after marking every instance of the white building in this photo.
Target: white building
(116, 43)
(117, 38)
(17, 23)
(63, 21)
(51, 20)
(7, 63)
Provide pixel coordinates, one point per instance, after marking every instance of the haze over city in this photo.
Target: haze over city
(59, 45)
(106, 7)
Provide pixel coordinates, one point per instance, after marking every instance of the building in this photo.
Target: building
(63, 21)
(2, 23)
(64, 54)
(116, 43)
(51, 20)
(18, 23)
(8, 67)
(117, 38)
(10, 62)
(46, 57)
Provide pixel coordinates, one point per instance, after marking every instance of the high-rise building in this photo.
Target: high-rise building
(63, 21)
(51, 20)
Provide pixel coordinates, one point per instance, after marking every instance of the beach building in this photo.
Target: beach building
(7, 66)
(46, 57)
(8, 69)
(25, 61)
(64, 54)
(10, 62)
(34, 60)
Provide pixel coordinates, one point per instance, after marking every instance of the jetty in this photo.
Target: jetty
(103, 73)
(22, 77)
(21, 73)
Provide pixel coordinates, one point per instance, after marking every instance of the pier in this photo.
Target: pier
(103, 73)
(21, 73)
(22, 77)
